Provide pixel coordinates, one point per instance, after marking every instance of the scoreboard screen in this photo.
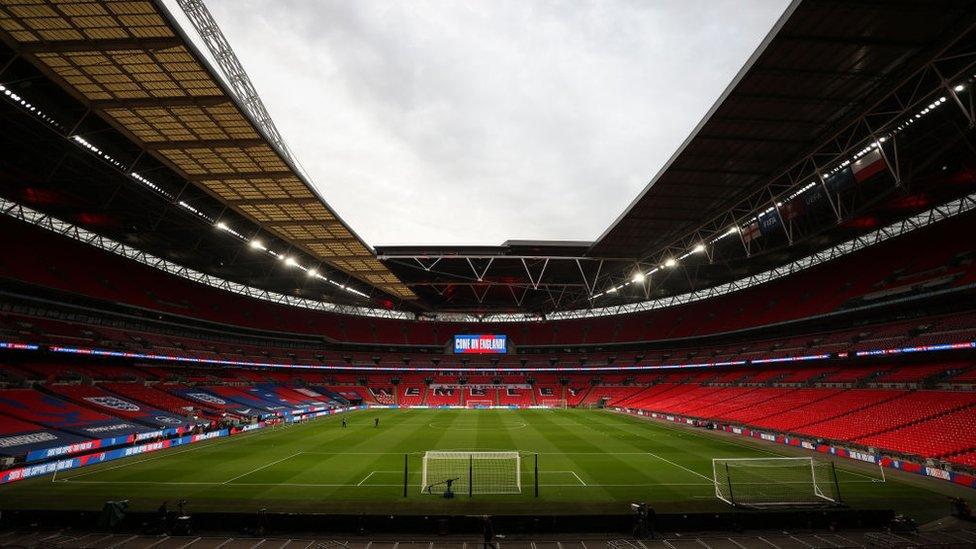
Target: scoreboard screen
(480, 344)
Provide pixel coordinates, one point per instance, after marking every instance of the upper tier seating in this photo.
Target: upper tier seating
(48, 410)
(855, 279)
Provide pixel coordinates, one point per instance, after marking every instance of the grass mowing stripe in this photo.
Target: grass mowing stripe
(251, 472)
(680, 466)
(612, 466)
(724, 440)
(165, 453)
(359, 469)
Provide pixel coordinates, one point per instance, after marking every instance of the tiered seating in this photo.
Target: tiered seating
(248, 396)
(18, 437)
(103, 401)
(946, 434)
(513, 396)
(786, 401)
(576, 392)
(37, 407)
(482, 396)
(830, 407)
(901, 410)
(966, 458)
(149, 395)
(443, 396)
(411, 395)
(713, 400)
(610, 393)
(913, 374)
(353, 393)
(967, 376)
(213, 402)
(880, 271)
(849, 375)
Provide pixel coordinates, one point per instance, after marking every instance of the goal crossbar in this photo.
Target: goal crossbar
(775, 482)
(471, 472)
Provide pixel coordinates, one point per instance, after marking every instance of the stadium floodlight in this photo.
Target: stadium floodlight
(670, 262)
(698, 249)
(638, 278)
(290, 261)
(959, 88)
(257, 244)
(222, 226)
(312, 273)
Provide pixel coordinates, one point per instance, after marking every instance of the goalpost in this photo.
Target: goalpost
(555, 403)
(471, 473)
(471, 404)
(775, 482)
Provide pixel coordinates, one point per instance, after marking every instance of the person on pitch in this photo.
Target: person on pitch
(343, 423)
(376, 422)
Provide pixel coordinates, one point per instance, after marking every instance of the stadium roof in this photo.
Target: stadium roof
(821, 65)
(166, 113)
(128, 62)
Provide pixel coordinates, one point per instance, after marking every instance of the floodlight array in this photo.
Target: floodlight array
(221, 225)
(641, 277)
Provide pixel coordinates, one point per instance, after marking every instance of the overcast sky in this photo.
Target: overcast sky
(474, 122)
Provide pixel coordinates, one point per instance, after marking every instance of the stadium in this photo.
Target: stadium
(773, 345)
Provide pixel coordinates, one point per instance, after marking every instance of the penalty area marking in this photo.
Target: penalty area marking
(709, 479)
(754, 448)
(578, 478)
(365, 478)
(265, 466)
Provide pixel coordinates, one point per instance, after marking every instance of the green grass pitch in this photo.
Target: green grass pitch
(590, 461)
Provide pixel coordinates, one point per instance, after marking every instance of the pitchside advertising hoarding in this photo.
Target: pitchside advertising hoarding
(478, 344)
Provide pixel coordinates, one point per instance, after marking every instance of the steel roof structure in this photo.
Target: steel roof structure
(120, 80)
(823, 64)
(131, 65)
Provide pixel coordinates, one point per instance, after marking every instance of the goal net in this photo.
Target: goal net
(554, 403)
(775, 482)
(472, 472)
(479, 403)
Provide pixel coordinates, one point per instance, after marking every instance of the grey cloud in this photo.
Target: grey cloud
(475, 122)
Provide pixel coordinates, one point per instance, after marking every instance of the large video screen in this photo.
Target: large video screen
(480, 344)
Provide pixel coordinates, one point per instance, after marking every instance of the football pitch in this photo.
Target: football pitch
(590, 461)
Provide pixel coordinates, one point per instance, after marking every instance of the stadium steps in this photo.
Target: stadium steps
(920, 420)
(634, 397)
(792, 419)
(586, 395)
(700, 405)
(744, 405)
(851, 411)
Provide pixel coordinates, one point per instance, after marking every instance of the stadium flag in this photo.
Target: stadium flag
(812, 197)
(793, 209)
(751, 232)
(840, 180)
(868, 165)
(768, 222)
